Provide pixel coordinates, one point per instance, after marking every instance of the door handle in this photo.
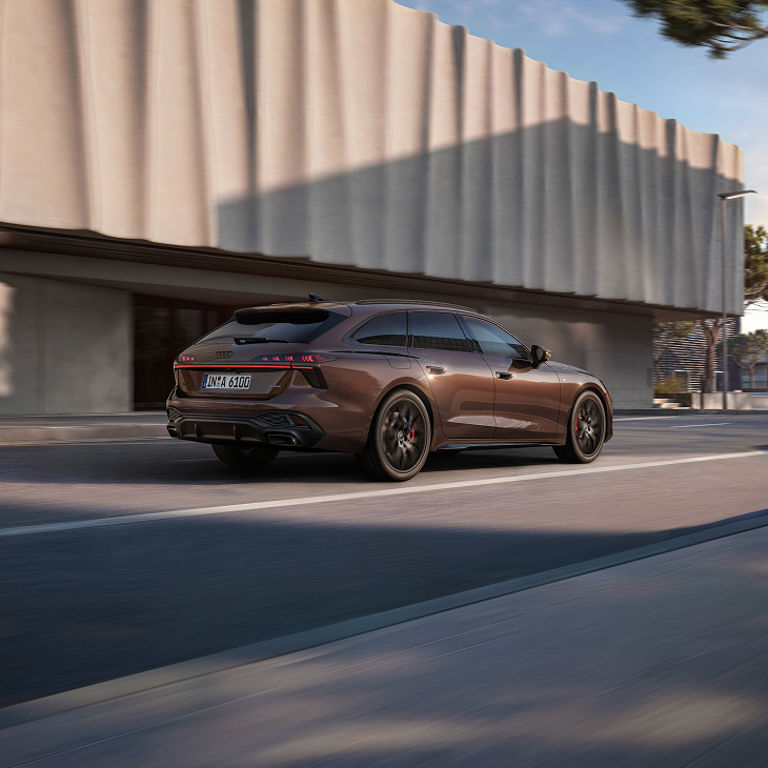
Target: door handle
(503, 375)
(435, 370)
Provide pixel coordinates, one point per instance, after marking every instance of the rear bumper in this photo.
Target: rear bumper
(332, 422)
(277, 429)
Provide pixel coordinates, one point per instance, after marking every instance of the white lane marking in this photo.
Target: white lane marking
(148, 517)
(688, 426)
(651, 418)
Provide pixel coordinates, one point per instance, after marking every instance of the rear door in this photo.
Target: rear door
(385, 334)
(460, 380)
(527, 399)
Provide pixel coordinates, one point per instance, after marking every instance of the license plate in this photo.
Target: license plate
(229, 381)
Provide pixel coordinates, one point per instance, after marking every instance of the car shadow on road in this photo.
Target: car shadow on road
(191, 464)
(196, 465)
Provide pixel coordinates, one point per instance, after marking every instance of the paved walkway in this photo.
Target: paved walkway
(661, 662)
(15, 430)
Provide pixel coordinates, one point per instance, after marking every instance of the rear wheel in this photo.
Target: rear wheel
(244, 459)
(585, 431)
(399, 440)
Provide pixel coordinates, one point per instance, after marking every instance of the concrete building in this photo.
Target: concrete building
(162, 161)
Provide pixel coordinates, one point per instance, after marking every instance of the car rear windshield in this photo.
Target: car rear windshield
(288, 325)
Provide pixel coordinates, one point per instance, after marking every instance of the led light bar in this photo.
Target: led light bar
(293, 359)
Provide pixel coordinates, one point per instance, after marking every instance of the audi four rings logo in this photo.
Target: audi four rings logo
(225, 355)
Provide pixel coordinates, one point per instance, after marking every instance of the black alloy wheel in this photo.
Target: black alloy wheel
(244, 459)
(400, 437)
(585, 431)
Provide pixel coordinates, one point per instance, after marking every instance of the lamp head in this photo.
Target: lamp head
(734, 195)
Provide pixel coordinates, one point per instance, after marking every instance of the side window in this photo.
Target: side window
(494, 340)
(388, 330)
(436, 330)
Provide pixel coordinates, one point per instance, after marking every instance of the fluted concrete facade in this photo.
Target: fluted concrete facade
(353, 132)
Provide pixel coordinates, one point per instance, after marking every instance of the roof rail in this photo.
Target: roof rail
(416, 301)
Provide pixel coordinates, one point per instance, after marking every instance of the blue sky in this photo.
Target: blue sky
(601, 40)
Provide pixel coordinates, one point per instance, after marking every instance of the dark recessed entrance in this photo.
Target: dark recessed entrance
(161, 329)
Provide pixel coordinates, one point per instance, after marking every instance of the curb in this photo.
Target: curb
(79, 698)
(43, 435)
(48, 433)
(82, 427)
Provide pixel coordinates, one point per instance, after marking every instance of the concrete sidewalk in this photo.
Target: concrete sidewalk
(34, 430)
(661, 661)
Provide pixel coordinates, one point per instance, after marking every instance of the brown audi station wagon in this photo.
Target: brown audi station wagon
(386, 380)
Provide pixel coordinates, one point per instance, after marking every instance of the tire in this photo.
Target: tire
(244, 459)
(585, 432)
(399, 439)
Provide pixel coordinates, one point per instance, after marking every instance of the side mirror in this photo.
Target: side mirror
(539, 355)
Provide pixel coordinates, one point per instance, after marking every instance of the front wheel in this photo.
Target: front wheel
(399, 440)
(585, 433)
(244, 459)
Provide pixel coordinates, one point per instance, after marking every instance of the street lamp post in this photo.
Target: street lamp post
(724, 198)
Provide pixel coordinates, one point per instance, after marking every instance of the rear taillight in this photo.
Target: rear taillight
(304, 363)
(296, 361)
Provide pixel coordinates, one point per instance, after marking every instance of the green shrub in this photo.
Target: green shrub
(670, 385)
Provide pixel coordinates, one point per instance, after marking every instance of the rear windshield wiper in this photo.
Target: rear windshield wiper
(259, 340)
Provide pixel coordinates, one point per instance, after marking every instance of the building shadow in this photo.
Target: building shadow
(559, 207)
(81, 607)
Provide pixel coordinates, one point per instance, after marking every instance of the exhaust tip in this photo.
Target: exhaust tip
(278, 439)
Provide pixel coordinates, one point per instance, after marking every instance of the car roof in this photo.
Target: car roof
(417, 303)
(367, 303)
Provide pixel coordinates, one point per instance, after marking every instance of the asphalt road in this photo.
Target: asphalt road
(310, 542)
